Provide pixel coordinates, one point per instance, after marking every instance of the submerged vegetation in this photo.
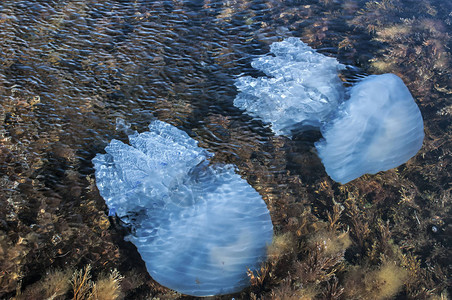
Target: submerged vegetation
(76, 285)
(70, 69)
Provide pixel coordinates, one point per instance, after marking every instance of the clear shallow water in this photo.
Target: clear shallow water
(69, 70)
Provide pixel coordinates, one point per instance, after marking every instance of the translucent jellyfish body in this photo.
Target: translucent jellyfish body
(197, 227)
(379, 128)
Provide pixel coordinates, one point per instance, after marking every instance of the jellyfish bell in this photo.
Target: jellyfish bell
(197, 227)
(379, 128)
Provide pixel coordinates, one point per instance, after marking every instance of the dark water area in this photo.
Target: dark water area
(76, 74)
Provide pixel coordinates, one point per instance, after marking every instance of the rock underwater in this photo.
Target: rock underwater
(197, 227)
(378, 128)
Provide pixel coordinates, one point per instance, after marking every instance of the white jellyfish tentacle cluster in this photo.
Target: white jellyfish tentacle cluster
(197, 227)
(377, 128)
(302, 87)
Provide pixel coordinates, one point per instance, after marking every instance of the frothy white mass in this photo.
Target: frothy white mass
(197, 227)
(380, 127)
